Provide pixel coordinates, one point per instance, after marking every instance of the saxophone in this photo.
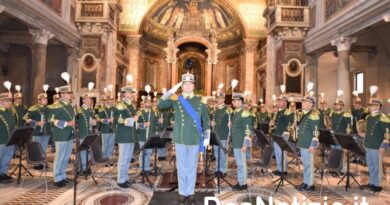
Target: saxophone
(327, 122)
(292, 128)
(272, 125)
(361, 127)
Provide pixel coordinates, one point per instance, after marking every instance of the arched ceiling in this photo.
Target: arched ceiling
(229, 20)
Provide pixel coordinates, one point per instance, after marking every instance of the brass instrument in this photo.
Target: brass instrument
(272, 125)
(349, 129)
(361, 127)
(293, 129)
(327, 122)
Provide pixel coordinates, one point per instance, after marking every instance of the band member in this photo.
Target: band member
(7, 125)
(125, 118)
(282, 119)
(147, 127)
(241, 130)
(85, 121)
(62, 117)
(262, 116)
(308, 140)
(376, 141)
(106, 119)
(18, 108)
(358, 112)
(37, 116)
(324, 112)
(219, 123)
(192, 124)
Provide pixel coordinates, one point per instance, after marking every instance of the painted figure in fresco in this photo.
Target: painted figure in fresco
(166, 16)
(193, 8)
(219, 17)
(179, 19)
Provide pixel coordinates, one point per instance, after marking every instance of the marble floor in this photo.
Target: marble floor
(33, 190)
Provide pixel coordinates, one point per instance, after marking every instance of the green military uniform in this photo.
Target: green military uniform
(358, 114)
(19, 112)
(167, 117)
(38, 113)
(340, 121)
(323, 113)
(263, 117)
(105, 112)
(85, 114)
(221, 119)
(185, 131)
(147, 115)
(241, 124)
(306, 128)
(7, 126)
(124, 133)
(60, 112)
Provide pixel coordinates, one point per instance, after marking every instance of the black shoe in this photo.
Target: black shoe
(376, 188)
(5, 177)
(59, 184)
(124, 185)
(302, 186)
(367, 186)
(162, 158)
(38, 167)
(239, 187)
(181, 199)
(191, 199)
(310, 188)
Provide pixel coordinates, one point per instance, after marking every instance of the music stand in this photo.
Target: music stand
(84, 146)
(87, 142)
(214, 140)
(349, 142)
(151, 143)
(284, 146)
(19, 137)
(262, 138)
(326, 139)
(264, 126)
(161, 142)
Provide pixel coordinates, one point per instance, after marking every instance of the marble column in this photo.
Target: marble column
(270, 69)
(343, 68)
(134, 49)
(209, 72)
(311, 72)
(39, 51)
(171, 59)
(250, 46)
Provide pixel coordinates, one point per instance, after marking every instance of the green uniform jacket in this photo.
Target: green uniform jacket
(323, 113)
(357, 115)
(263, 117)
(125, 132)
(104, 114)
(38, 113)
(7, 124)
(306, 128)
(241, 126)
(19, 112)
(167, 117)
(375, 130)
(185, 130)
(59, 113)
(282, 120)
(84, 115)
(340, 121)
(221, 118)
(144, 117)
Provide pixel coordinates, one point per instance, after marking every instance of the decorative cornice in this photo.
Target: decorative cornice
(343, 43)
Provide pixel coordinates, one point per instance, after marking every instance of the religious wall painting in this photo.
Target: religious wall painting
(333, 7)
(252, 14)
(205, 18)
(133, 12)
(88, 65)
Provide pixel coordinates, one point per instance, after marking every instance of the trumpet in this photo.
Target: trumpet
(361, 127)
(327, 122)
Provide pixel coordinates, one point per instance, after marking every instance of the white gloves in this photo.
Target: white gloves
(206, 140)
(171, 91)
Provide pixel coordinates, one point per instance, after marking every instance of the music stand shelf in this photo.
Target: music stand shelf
(350, 143)
(284, 146)
(19, 137)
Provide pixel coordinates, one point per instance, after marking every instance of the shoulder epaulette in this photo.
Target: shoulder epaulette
(365, 110)
(140, 112)
(33, 108)
(314, 115)
(287, 112)
(347, 114)
(174, 97)
(229, 110)
(120, 106)
(245, 113)
(55, 105)
(102, 108)
(203, 100)
(384, 118)
(2, 109)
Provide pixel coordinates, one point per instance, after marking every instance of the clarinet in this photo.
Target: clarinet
(42, 120)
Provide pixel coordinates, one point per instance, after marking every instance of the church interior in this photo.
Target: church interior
(274, 49)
